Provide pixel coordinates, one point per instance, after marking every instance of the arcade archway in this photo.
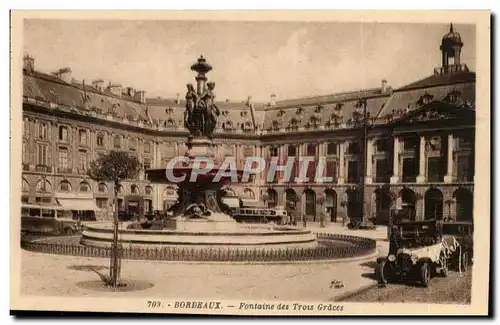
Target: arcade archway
(353, 203)
(433, 204)
(310, 206)
(464, 205)
(331, 204)
(382, 206)
(408, 203)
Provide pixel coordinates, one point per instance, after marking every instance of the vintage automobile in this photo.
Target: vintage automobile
(463, 232)
(417, 250)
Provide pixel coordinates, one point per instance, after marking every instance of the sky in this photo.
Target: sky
(289, 59)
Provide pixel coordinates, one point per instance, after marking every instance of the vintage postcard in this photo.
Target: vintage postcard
(251, 163)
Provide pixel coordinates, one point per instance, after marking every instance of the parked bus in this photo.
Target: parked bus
(48, 219)
(277, 215)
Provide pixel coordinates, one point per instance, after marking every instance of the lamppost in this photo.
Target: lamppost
(366, 123)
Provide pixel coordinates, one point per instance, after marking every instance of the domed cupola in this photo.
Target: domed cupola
(451, 46)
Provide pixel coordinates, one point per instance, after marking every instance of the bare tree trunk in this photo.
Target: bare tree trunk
(114, 263)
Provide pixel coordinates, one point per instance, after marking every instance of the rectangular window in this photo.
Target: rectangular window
(409, 170)
(132, 144)
(311, 172)
(147, 163)
(83, 137)
(464, 143)
(63, 133)
(42, 131)
(42, 155)
(26, 128)
(100, 140)
(331, 149)
(352, 172)
(292, 151)
(82, 157)
(273, 151)
(382, 172)
(435, 169)
(147, 147)
(247, 152)
(381, 145)
(465, 171)
(331, 170)
(117, 143)
(101, 203)
(63, 158)
(25, 158)
(410, 143)
(311, 149)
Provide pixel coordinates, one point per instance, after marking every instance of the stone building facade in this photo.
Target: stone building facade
(417, 153)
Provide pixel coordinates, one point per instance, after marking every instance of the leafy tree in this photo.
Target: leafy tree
(115, 166)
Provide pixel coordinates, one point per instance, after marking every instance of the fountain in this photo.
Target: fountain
(200, 220)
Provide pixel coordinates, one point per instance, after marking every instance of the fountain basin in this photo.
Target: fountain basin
(202, 235)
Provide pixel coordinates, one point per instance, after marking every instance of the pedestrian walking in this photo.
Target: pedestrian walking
(304, 221)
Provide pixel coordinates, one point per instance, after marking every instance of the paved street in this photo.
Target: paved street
(455, 289)
(45, 274)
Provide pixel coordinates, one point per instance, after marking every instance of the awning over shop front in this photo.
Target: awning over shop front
(79, 204)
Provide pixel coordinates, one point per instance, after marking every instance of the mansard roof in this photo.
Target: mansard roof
(408, 98)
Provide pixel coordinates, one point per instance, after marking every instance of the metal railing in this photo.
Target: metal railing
(329, 249)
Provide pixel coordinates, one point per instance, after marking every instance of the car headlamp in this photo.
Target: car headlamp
(391, 258)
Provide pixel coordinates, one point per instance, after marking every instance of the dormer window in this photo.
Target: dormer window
(338, 106)
(169, 124)
(319, 109)
(243, 113)
(227, 125)
(425, 99)
(294, 124)
(275, 126)
(299, 111)
(225, 113)
(453, 96)
(169, 110)
(281, 112)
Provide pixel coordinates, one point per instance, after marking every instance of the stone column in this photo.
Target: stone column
(421, 161)
(341, 164)
(448, 178)
(395, 176)
(369, 161)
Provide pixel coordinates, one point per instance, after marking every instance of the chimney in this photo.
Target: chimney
(115, 89)
(140, 96)
(178, 99)
(29, 64)
(129, 91)
(64, 74)
(273, 100)
(384, 87)
(98, 84)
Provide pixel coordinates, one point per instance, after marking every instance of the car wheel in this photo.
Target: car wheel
(465, 261)
(68, 231)
(425, 274)
(383, 273)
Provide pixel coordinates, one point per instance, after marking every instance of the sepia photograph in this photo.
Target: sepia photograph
(258, 163)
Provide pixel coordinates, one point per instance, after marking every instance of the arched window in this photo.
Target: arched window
(134, 189)
(119, 189)
(25, 186)
(102, 188)
(43, 186)
(84, 187)
(464, 205)
(148, 190)
(433, 204)
(64, 186)
(249, 193)
(170, 192)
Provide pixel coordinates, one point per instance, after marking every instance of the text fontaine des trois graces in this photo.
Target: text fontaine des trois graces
(228, 169)
(253, 306)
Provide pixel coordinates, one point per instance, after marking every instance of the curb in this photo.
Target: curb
(346, 295)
